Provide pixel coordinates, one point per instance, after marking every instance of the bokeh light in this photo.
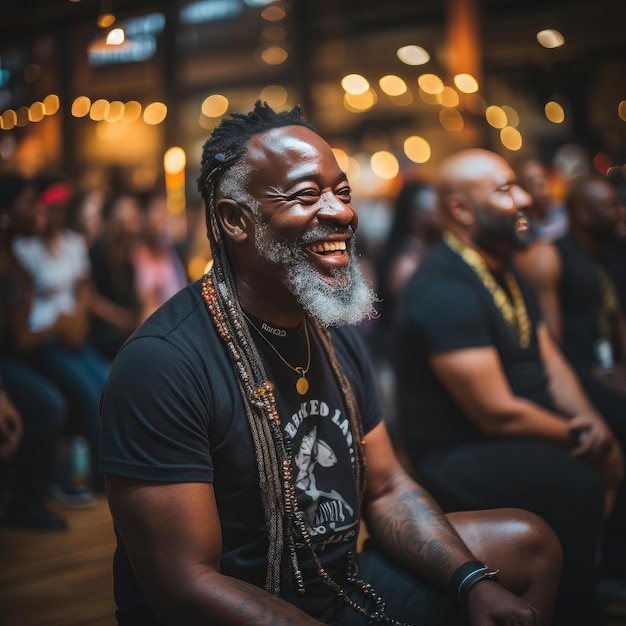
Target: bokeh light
(215, 105)
(512, 116)
(466, 83)
(417, 149)
(392, 85)
(36, 112)
(384, 165)
(360, 102)
(275, 95)
(273, 13)
(550, 38)
(451, 119)
(52, 104)
(99, 110)
(430, 83)
(174, 160)
(511, 138)
(413, 55)
(355, 84)
(448, 97)
(81, 106)
(495, 116)
(274, 55)
(554, 112)
(116, 111)
(154, 113)
(132, 111)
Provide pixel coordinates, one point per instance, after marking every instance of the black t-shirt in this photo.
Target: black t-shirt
(115, 280)
(171, 412)
(581, 298)
(446, 307)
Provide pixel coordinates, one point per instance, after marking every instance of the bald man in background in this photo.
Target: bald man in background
(490, 412)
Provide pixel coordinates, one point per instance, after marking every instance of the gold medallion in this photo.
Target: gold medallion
(302, 385)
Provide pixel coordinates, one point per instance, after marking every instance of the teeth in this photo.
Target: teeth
(329, 246)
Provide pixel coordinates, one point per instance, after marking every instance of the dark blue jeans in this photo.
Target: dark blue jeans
(80, 375)
(43, 411)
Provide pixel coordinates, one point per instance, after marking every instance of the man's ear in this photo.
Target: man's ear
(235, 220)
(458, 209)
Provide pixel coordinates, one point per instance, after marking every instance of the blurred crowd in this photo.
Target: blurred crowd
(80, 271)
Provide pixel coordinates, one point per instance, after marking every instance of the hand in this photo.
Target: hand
(598, 446)
(10, 428)
(72, 329)
(490, 604)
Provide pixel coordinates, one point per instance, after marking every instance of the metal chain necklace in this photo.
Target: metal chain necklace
(302, 384)
(516, 315)
(262, 399)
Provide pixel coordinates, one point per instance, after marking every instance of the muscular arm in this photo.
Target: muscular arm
(541, 266)
(565, 388)
(411, 529)
(475, 379)
(404, 519)
(172, 535)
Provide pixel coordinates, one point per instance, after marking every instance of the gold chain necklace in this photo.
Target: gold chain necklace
(302, 384)
(516, 315)
(610, 302)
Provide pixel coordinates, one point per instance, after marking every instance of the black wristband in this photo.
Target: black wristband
(467, 575)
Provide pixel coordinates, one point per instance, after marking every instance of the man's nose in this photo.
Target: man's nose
(332, 208)
(522, 198)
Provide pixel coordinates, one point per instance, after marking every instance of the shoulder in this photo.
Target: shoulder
(540, 263)
(178, 342)
(443, 284)
(182, 319)
(348, 343)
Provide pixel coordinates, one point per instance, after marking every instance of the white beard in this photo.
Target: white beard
(344, 298)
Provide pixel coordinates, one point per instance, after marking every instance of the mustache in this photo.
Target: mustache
(324, 230)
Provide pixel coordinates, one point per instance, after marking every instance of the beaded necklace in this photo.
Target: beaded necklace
(285, 519)
(515, 314)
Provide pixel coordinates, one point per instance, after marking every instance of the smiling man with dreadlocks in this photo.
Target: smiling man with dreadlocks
(243, 439)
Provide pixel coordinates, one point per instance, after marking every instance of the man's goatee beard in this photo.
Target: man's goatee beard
(344, 298)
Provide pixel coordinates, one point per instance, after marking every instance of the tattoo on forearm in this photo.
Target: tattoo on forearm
(260, 608)
(414, 530)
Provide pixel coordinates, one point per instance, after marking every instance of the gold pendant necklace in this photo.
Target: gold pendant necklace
(516, 315)
(302, 384)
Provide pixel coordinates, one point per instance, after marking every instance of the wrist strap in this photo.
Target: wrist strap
(467, 575)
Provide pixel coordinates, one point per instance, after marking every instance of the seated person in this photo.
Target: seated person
(115, 304)
(243, 439)
(31, 408)
(490, 412)
(548, 218)
(57, 262)
(580, 303)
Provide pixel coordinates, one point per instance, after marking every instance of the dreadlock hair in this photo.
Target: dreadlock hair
(227, 146)
(223, 153)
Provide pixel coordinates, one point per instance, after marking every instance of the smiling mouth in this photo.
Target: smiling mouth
(328, 246)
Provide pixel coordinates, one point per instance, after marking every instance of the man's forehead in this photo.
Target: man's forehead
(285, 141)
(289, 154)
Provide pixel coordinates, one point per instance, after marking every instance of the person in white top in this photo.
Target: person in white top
(58, 264)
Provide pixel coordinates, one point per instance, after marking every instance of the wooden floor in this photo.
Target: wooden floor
(60, 578)
(64, 578)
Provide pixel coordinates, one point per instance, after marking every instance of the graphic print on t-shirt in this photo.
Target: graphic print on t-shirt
(324, 472)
